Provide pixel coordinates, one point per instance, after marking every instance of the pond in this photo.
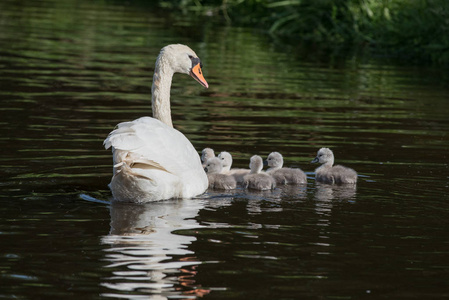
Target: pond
(71, 70)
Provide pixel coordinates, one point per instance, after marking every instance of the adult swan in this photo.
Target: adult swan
(152, 160)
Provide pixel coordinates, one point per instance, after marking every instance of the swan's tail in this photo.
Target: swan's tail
(134, 161)
(126, 170)
(137, 180)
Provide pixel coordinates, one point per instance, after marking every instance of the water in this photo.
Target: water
(71, 70)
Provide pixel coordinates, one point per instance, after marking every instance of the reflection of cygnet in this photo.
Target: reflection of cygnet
(257, 179)
(206, 154)
(327, 192)
(332, 174)
(217, 180)
(284, 175)
(226, 160)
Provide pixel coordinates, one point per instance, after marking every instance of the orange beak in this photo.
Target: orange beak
(197, 74)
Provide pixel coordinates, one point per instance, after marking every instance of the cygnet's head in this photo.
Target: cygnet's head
(256, 164)
(324, 156)
(213, 166)
(275, 160)
(207, 154)
(182, 59)
(226, 159)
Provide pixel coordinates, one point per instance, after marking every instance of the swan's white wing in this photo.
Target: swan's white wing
(158, 152)
(155, 142)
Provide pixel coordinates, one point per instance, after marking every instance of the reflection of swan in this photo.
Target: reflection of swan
(332, 174)
(153, 161)
(284, 175)
(145, 255)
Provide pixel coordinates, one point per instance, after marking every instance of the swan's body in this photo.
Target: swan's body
(284, 175)
(226, 160)
(327, 173)
(152, 160)
(216, 179)
(257, 179)
(206, 154)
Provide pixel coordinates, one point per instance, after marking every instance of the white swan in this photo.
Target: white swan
(152, 160)
(284, 175)
(327, 173)
(258, 179)
(216, 180)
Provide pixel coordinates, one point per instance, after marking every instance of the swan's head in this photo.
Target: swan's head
(207, 154)
(213, 166)
(324, 156)
(256, 164)
(226, 159)
(275, 160)
(184, 60)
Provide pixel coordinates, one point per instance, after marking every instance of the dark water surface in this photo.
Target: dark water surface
(71, 70)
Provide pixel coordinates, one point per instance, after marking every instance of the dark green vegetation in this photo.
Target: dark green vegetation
(413, 30)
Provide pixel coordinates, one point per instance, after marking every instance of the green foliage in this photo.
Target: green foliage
(412, 29)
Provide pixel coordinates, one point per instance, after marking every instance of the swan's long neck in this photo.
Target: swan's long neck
(160, 91)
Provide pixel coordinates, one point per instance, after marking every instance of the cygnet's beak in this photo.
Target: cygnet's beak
(197, 74)
(315, 160)
(205, 169)
(265, 163)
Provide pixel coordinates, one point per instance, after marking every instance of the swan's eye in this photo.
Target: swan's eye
(195, 61)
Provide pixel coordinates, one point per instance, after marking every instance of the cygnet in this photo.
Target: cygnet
(327, 173)
(226, 160)
(284, 175)
(257, 179)
(217, 180)
(206, 154)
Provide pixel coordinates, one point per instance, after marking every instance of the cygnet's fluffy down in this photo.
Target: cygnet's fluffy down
(226, 160)
(206, 154)
(217, 180)
(327, 173)
(284, 175)
(257, 179)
